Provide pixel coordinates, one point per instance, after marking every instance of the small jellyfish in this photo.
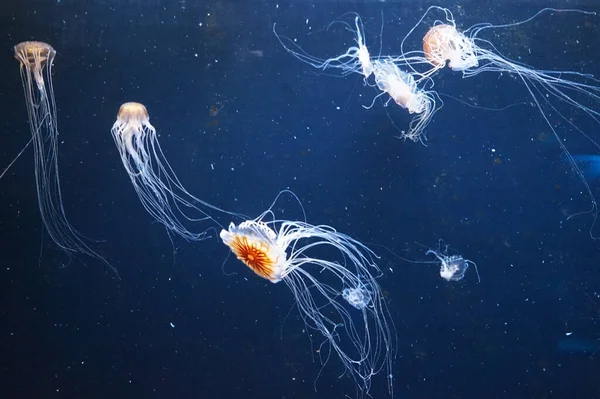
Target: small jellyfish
(159, 189)
(403, 90)
(283, 250)
(452, 267)
(359, 297)
(445, 44)
(36, 59)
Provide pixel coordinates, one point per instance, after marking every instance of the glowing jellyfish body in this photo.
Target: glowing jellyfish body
(552, 92)
(158, 188)
(444, 44)
(452, 267)
(359, 297)
(36, 59)
(403, 90)
(356, 59)
(280, 251)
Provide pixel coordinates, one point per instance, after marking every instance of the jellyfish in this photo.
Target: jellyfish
(359, 297)
(552, 92)
(452, 267)
(159, 189)
(402, 88)
(356, 59)
(339, 297)
(442, 44)
(36, 59)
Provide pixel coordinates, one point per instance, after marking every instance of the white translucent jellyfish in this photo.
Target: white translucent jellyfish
(36, 59)
(356, 59)
(359, 297)
(552, 92)
(452, 267)
(403, 90)
(442, 44)
(339, 296)
(155, 182)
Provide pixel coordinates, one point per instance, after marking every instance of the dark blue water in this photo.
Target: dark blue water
(181, 323)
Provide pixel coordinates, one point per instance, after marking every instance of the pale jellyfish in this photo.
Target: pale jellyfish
(359, 296)
(443, 45)
(452, 267)
(403, 90)
(156, 184)
(36, 60)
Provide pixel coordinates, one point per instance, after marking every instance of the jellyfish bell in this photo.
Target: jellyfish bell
(359, 297)
(254, 243)
(433, 46)
(339, 297)
(34, 53)
(133, 113)
(445, 44)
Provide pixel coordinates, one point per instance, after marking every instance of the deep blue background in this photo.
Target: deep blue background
(77, 332)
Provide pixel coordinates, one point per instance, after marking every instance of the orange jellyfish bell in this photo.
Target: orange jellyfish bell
(133, 111)
(254, 243)
(34, 52)
(437, 44)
